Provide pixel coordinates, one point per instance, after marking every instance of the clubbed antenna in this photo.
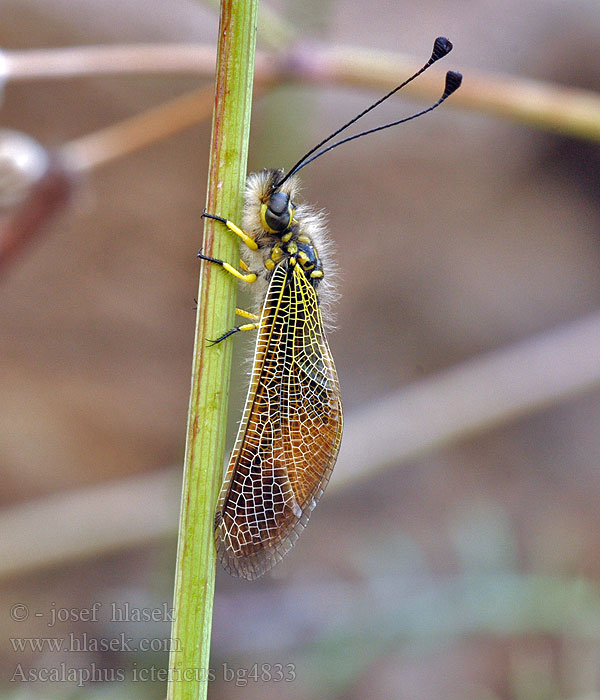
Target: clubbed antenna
(441, 48)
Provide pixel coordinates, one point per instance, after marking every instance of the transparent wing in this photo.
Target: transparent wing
(290, 434)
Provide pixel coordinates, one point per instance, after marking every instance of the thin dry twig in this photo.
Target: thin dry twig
(132, 134)
(48, 196)
(468, 399)
(472, 398)
(125, 137)
(545, 105)
(555, 108)
(89, 521)
(86, 61)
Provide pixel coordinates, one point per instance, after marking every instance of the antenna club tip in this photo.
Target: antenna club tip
(453, 81)
(441, 48)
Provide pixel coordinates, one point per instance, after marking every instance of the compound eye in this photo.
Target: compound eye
(277, 213)
(278, 203)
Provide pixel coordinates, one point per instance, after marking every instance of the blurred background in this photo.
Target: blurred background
(470, 569)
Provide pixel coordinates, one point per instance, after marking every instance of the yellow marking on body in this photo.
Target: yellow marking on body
(269, 264)
(292, 261)
(247, 314)
(276, 253)
(304, 239)
(286, 237)
(250, 277)
(263, 221)
(292, 248)
(316, 273)
(303, 256)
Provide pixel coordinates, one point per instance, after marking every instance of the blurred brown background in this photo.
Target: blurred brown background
(471, 572)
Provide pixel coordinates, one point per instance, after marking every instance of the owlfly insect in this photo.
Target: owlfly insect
(290, 433)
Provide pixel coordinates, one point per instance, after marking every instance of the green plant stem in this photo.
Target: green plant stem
(205, 447)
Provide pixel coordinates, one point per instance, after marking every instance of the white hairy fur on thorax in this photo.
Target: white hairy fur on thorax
(311, 223)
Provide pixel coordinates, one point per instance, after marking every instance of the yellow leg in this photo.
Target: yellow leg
(250, 242)
(249, 277)
(237, 329)
(247, 314)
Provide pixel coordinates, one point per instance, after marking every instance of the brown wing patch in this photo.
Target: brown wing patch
(289, 436)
